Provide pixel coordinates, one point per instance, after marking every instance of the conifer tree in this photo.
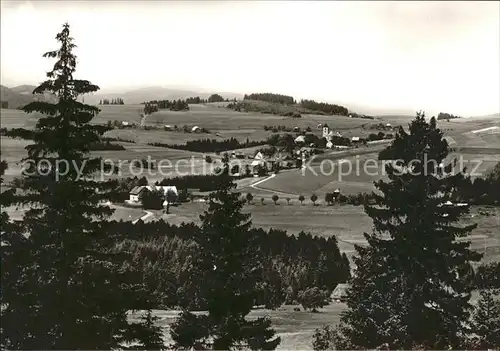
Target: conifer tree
(5, 197)
(63, 287)
(486, 320)
(232, 268)
(412, 283)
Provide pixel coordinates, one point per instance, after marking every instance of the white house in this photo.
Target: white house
(259, 156)
(329, 144)
(355, 139)
(135, 193)
(196, 129)
(300, 139)
(258, 161)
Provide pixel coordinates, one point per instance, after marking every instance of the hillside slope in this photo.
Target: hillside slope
(138, 96)
(21, 95)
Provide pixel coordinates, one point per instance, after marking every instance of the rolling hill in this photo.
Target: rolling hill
(21, 95)
(136, 96)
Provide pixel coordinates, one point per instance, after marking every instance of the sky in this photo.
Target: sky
(432, 56)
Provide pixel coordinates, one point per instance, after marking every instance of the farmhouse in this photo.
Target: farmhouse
(136, 193)
(258, 162)
(196, 129)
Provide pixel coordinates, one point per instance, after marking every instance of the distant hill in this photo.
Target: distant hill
(21, 95)
(137, 96)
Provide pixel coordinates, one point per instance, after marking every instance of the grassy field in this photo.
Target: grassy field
(220, 121)
(294, 328)
(347, 223)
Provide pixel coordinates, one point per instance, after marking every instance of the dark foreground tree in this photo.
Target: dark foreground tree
(232, 268)
(5, 198)
(413, 282)
(62, 285)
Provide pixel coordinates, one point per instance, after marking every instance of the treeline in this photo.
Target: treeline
(379, 136)
(196, 100)
(116, 101)
(324, 107)
(293, 264)
(479, 191)
(5, 104)
(202, 182)
(156, 105)
(282, 128)
(211, 145)
(270, 97)
(443, 115)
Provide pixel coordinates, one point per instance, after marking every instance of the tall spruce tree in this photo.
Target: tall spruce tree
(412, 283)
(232, 268)
(63, 287)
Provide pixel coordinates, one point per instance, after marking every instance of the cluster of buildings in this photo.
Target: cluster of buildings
(136, 193)
(268, 163)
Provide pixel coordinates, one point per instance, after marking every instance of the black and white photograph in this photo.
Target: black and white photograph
(250, 175)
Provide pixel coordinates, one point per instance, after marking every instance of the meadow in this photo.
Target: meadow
(346, 222)
(220, 121)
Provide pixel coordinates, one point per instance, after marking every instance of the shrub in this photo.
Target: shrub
(313, 298)
(301, 199)
(235, 169)
(249, 197)
(314, 198)
(275, 198)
